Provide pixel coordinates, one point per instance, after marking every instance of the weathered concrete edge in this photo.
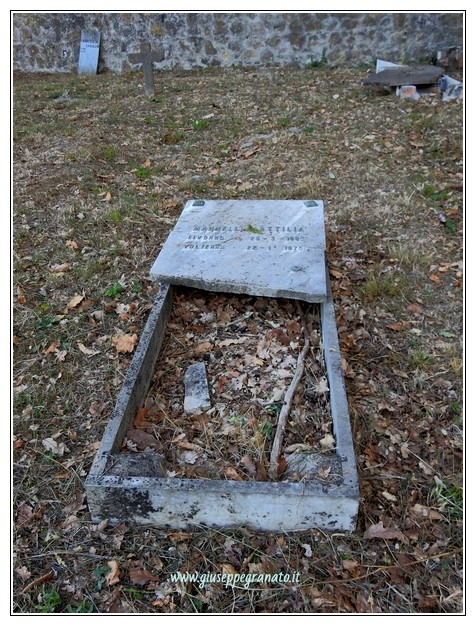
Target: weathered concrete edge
(338, 396)
(220, 286)
(182, 503)
(136, 383)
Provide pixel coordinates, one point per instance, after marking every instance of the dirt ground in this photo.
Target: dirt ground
(100, 176)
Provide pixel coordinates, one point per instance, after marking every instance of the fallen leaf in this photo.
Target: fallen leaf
(147, 163)
(350, 565)
(85, 350)
(75, 301)
(436, 279)
(60, 268)
(20, 295)
(244, 186)
(389, 496)
(446, 334)
(189, 446)
(203, 347)
(327, 442)
(253, 229)
(179, 437)
(97, 408)
(324, 473)
(282, 465)
(61, 355)
(23, 573)
(125, 342)
(414, 308)
(248, 464)
(378, 531)
(76, 504)
(307, 550)
(189, 456)
(232, 474)
(227, 568)
(72, 244)
(142, 439)
(398, 326)
(51, 348)
(140, 420)
(336, 274)
(140, 576)
(53, 446)
(231, 342)
(322, 386)
(425, 511)
(112, 577)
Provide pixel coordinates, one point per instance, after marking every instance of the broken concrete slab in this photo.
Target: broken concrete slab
(450, 89)
(453, 92)
(197, 395)
(272, 248)
(405, 75)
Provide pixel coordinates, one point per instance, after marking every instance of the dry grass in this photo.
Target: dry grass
(99, 180)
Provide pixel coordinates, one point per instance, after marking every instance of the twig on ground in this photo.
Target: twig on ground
(38, 581)
(285, 409)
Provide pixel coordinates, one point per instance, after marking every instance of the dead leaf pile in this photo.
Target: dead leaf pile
(250, 347)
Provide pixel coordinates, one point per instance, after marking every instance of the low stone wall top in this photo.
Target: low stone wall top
(49, 42)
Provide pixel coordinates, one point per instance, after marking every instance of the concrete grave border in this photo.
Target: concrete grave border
(117, 490)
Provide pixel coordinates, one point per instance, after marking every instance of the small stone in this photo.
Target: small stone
(197, 396)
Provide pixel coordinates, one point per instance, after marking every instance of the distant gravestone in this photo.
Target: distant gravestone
(273, 248)
(146, 57)
(405, 75)
(89, 52)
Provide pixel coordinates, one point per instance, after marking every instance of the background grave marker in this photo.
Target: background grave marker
(89, 52)
(146, 57)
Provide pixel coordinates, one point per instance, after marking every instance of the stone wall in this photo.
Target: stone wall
(49, 42)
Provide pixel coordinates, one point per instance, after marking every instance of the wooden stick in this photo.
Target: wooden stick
(38, 581)
(286, 408)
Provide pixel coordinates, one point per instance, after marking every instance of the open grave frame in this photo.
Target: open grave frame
(135, 488)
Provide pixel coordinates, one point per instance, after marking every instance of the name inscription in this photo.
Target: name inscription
(265, 238)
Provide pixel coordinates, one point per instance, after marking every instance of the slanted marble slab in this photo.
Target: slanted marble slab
(273, 248)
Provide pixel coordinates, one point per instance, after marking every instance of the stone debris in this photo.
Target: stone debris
(197, 396)
(405, 75)
(413, 81)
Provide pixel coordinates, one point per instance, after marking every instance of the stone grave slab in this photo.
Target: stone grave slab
(273, 248)
(405, 75)
(89, 52)
(139, 489)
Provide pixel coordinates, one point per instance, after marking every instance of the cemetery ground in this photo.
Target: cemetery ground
(101, 174)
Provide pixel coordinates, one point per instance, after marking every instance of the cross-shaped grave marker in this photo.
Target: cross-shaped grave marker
(146, 57)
